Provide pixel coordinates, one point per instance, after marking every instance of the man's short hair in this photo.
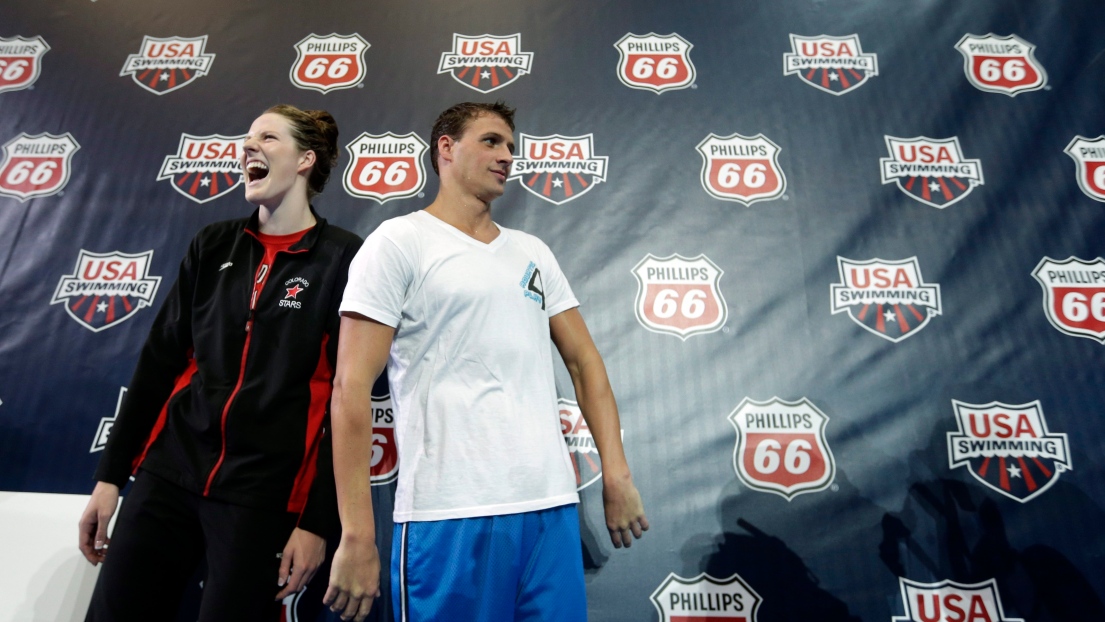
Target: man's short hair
(455, 120)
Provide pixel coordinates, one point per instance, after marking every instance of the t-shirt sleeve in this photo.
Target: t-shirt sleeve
(379, 278)
(558, 294)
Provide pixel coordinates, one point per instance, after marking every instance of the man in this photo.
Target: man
(461, 311)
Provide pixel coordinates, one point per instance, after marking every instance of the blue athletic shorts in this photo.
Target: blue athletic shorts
(517, 567)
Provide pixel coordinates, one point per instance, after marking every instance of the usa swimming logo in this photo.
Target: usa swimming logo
(1005, 65)
(204, 168)
(581, 445)
(107, 289)
(486, 63)
(930, 170)
(558, 168)
(887, 298)
(165, 64)
(705, 599)
(951, 601)
(836, 65)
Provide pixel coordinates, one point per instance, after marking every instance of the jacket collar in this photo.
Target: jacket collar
(253, 228)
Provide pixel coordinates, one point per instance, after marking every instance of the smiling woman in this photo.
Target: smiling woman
(209, 468)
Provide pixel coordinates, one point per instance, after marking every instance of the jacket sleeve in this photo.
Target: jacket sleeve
(320, 514)
(164, 356)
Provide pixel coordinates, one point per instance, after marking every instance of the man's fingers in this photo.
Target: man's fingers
(330, 595)
(366, 606)
(340, 600)
(637, 529)
(644, 523)
(352, 608)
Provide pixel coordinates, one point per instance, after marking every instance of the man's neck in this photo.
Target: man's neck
(466, 213)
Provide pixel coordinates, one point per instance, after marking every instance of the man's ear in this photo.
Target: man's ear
(445, 144)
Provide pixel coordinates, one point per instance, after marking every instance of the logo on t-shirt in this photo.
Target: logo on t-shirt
(705, 598)
(532, 287)
(104, 429)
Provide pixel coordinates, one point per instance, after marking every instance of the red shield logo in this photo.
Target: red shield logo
(781, 447)
(930, 170)
(385, 166)
(36, 166)
(166, 64)
(835, 65)
(950, 601)
(1089, 165)
(1001, 64)
(204, 168)
(888, 298)
(20, 62)
(1008, 448)
(705, 599)
(107, 289)
(385, 453)
(742, 169)
(679, 296)
(655, 62)
(581, 445)
(329, 63)
(558, 168)
(486, 63)
(1074, 295)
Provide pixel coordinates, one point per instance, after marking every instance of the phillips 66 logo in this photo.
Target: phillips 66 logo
(385, 455)
(36, 166)
(835, 65)
(581, 445)
(486, 63)
(679, 296)
(781, 447)
(888, 298)
(166, 64)
(385, 166)
(1074, 295)
(1008, 448)
(20, 62)
(558, 168)
(1001, 64)
(742, 169)
(329, 63)
(705, 599)
(204, 168)
(655, 62)
(1089, 165)
(950, 601)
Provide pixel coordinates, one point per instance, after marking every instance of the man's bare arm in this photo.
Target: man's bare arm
(355, 574)
(625, 512)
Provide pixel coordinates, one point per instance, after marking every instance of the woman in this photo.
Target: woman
(224, 421)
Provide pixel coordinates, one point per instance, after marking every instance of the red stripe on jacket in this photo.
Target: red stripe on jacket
(182, 381)
(321, 388)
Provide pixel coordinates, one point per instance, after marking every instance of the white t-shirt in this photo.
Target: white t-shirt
(470, 369)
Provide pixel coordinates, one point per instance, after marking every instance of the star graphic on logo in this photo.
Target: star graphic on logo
(1013, 471)
(485, 74)
(889, 315)
(557, 183)
(934, 186)
(101, 308)
(164, 76)
(205, 182)
(833, 76)
(293, 291)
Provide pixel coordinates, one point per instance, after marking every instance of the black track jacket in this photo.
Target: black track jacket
(232, 402)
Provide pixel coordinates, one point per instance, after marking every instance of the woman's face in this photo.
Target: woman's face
(272, 162)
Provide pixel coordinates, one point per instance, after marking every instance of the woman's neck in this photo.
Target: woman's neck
(287, 217)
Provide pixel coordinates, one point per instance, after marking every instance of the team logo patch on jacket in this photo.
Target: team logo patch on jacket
(835, 65)
(385, 454)
(36, 166)
(486, 63)
(294, 287)
(705, 599)
(104, 429)
(1008, 448)
(679, 296)
(1001, 64)
(888, 298)
(655, 62)
(950, 601)
(581, 445)
(107, 289)
(1089, 165)
(329, 63)
(930, 170)
(741, 168)
(781, 447)
(1074, 295)
(204, 168)
(383, 167)
(20, 62)
(558, 168)
(166, 64)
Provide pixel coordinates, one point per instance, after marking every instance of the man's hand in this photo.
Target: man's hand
(93, 525)
(354, 579)
(625, 513)
(302, 556)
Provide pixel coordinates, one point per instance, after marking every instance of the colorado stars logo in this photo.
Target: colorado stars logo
(20, 62)
(1001, 64)
(166, 64)
(486, 63)
(204, 167)
(835, 65)
(930, 170)
(888, 298)
(558, 168)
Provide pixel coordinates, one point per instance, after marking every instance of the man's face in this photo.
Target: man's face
(480, 159)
